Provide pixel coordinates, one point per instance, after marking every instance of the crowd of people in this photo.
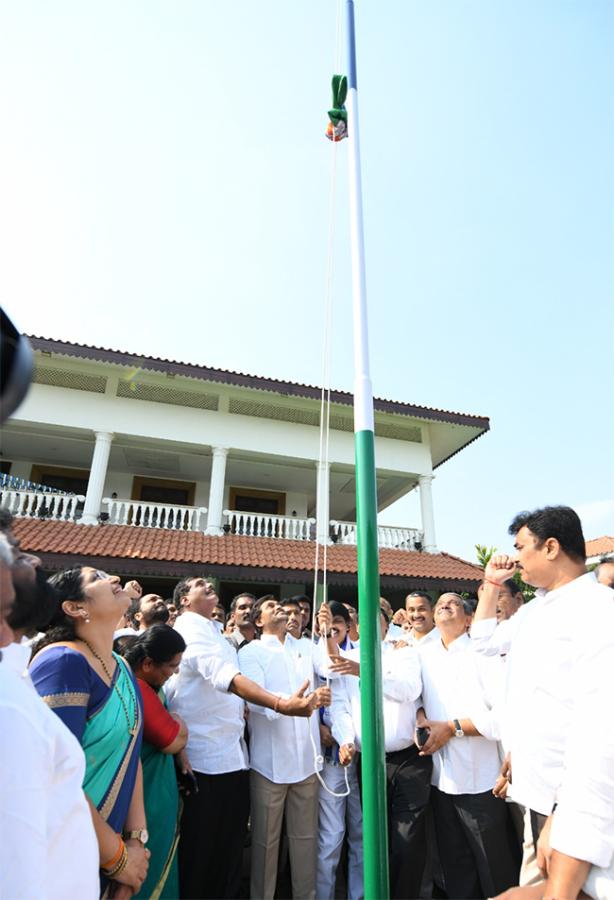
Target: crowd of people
(158, 747)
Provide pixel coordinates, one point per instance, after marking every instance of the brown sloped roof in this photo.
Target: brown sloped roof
(128, 543)
(601, 546)
(240, 379)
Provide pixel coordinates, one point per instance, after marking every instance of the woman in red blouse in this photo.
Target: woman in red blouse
(155, 656)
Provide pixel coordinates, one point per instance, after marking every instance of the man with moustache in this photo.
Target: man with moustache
(151, 610)
(478, 850)
(559, 676)
(420, 616)
(243, 630)
(208, 694)
(283, 753)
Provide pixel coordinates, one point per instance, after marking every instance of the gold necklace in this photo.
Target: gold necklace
(132, 729)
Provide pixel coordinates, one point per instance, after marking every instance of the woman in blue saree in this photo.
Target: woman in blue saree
(96, 695)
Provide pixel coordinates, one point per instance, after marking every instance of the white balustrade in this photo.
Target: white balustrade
(290, 528)
(149, 514)
(388, 536)
(40, 504)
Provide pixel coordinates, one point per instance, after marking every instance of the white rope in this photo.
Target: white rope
(324, 444)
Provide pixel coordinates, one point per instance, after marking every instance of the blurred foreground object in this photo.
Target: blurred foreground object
(16, 365)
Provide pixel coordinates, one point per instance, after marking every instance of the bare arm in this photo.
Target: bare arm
(296, 705)
(498, 570)
(180, 741)
(566, 876)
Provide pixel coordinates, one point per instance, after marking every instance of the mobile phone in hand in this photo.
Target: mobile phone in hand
(187, 782)
(422, 736)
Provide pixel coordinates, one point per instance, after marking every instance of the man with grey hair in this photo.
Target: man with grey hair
(479, 854)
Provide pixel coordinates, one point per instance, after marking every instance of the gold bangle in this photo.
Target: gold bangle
(116, 856)
(121, 865)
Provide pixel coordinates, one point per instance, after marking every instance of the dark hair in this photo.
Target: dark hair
(422, 594)
(338, 609)
(513, 587)
(302, 598)
(255, 610)
(383, 613)
(35, 604)
(559, 522)
(68, 585)
(237, 597)
(605, 561)
(181, 589)
(6, 519)
(291, 601)
(160, 643)
(133, 609)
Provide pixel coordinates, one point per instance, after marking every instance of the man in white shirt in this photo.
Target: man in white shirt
(478, 849)
(48, 845)
(283, 757)
(214, 821)
(407, 774)
(559, 676)
(420, 616)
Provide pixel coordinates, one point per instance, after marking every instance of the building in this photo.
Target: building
(598, 548)
(155, 469)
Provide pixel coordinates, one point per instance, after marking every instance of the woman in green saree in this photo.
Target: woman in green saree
(154, 656)
(95, 694)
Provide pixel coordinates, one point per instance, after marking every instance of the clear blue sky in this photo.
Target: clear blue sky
(164, 185)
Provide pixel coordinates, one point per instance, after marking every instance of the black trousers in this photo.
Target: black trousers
(213, 829)
(478, 848)
(408, 778)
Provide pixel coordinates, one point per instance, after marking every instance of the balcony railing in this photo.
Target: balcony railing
(139, 513)
(291, 528)
(60, 507)
(387, 535)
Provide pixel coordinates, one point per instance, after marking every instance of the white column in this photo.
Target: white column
(216, 491)
(98, 474)
(426, 508)
(323, 503)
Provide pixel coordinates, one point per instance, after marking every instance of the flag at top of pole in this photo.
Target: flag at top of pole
(375, 836)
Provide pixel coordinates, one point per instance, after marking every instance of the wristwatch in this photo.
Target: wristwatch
(458, 731)
(140, 834)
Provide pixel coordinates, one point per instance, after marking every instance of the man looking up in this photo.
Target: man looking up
(474, 834)
(214, 821)
(240, 612)
(305, 604)
(560, 671)
(151, 610)
(509, 601)
(407, 774)
(282, 754)
(419, 609)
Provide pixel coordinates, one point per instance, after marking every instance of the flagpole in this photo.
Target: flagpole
(375, 838)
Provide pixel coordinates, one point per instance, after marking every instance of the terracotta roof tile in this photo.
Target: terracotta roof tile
(601, 546)
(125, 542)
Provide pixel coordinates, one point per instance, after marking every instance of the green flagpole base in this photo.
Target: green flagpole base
(375, 816)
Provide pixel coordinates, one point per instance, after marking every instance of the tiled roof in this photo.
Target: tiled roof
(258, 382)
(601, 546)
(125, 542)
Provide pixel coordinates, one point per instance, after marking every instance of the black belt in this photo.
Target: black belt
(399, 756)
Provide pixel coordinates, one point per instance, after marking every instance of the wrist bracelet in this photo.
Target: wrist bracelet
(119, 868)
(111, 863)
(490, 581)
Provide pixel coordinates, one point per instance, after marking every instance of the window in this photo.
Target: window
(73, 481)
(160, 490)
(266, 503)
